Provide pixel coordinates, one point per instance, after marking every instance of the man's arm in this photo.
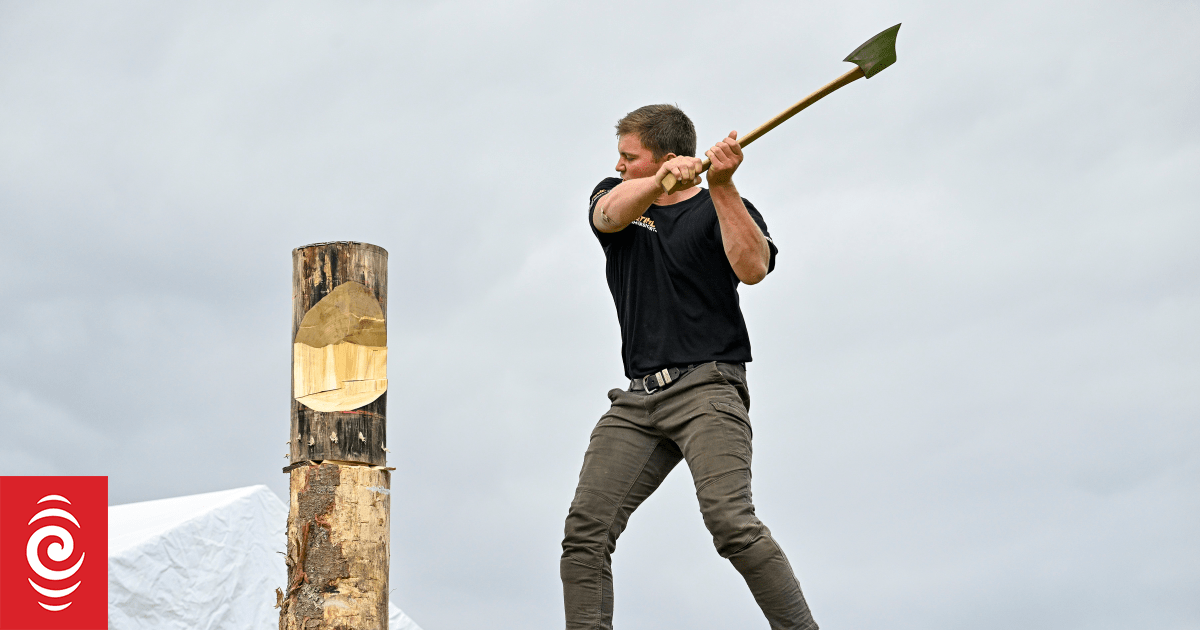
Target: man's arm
(629, 199)
(745, 245)
(624, 203)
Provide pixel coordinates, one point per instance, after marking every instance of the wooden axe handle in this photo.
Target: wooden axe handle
(668, 183)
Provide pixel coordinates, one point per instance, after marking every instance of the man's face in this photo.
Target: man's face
(635, 161)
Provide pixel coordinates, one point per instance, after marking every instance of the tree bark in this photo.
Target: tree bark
(339, 515)
(338, 549)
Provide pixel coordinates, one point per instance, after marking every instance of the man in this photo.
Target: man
(674, 262)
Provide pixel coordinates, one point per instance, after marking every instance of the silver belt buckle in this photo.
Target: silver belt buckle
(662, 376)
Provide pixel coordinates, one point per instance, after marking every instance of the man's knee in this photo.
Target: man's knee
(728, 511)
(587, 535)
(733, 530)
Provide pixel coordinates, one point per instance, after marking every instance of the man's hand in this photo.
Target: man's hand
(725, 156)
(636, 193)
(686, 170)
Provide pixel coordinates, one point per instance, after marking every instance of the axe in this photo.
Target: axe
(870, 59)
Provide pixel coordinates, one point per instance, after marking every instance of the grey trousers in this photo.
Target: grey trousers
(702, 419)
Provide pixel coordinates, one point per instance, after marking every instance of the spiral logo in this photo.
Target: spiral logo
(58, 552)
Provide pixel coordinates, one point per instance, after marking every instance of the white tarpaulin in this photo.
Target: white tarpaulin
(202, 562)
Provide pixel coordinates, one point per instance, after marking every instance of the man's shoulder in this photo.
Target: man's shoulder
(605, 185)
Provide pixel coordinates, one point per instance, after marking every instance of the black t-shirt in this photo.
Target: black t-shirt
(675, 292)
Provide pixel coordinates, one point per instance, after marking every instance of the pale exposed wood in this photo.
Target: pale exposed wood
(668, 183)
(338, 377)
(324, 369)
(338, 547)
(339, 359)
(349, 313)
(352, 395)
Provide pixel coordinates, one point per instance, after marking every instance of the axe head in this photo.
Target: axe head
(878, 53)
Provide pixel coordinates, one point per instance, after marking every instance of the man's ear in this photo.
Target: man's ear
(668, 156)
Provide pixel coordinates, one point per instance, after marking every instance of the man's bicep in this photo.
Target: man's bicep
(600, 221)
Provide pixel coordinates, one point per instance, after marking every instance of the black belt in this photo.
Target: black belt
(660, 380)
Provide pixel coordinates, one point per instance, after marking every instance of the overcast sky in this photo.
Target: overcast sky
(977, 364)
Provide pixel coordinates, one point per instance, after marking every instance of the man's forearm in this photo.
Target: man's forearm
(745, 245)
(624, 203)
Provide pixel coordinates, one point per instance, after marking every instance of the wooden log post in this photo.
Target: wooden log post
(339, 521)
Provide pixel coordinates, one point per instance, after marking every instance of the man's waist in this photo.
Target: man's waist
(665, 377)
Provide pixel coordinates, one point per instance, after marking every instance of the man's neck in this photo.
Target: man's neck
(676, 197)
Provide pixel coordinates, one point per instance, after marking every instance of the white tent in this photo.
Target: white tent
(202, 562)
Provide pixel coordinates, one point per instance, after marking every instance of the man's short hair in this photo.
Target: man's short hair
(662, 129)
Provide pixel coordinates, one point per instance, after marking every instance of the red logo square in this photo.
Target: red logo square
(53, 553)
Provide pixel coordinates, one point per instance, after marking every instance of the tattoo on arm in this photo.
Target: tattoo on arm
(603, 208)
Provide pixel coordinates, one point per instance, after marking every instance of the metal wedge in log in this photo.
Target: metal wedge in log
(870, 59)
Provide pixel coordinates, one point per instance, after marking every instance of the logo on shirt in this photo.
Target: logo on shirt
(645, 223)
